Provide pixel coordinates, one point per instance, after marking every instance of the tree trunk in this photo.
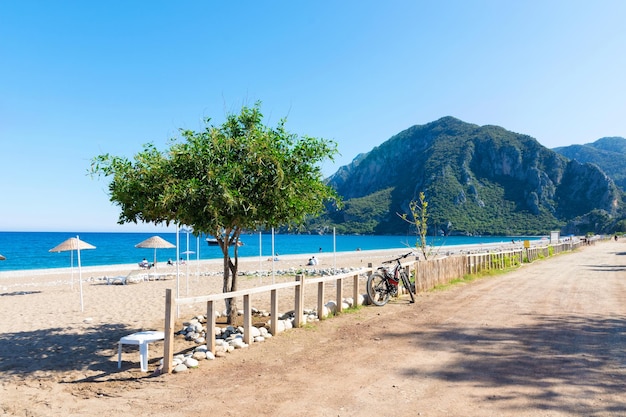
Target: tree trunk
(230, 270)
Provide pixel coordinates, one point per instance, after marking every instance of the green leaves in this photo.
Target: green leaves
(240, 175)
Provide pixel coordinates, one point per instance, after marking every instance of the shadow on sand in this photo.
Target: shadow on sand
(63, 350)
(552, 353)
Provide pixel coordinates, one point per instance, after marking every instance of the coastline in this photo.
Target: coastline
(30, 251)
(248, 261)
(44, 299)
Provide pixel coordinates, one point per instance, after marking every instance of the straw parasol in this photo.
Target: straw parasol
(74, 244)
(155, 242)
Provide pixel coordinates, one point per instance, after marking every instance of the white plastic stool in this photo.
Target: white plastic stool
(143, 339)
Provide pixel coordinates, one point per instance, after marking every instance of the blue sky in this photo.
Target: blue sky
(81, 78)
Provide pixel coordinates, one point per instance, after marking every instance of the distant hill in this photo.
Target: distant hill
(608, 153)
(478, 180)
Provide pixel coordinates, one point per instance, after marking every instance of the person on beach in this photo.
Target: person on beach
(144, 264)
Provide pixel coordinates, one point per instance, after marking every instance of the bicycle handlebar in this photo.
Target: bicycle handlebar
(397, 259)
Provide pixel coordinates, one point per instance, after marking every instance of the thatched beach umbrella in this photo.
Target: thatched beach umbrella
(74, 244)
(155, 242)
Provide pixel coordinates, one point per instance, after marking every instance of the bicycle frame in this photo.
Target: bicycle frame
(386, 285)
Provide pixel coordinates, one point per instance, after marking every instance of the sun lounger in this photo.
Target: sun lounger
(133, 277)
(160, 276)
(121, 279)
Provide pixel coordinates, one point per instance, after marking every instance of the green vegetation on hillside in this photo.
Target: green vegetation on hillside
(477, 180)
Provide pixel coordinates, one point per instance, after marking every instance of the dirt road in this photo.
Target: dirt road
(546, 340)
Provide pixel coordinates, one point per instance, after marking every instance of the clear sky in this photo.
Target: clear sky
(81, 78)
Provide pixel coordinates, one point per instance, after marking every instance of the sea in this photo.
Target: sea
(31, 250)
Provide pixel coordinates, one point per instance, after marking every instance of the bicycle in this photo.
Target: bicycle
(383, 284)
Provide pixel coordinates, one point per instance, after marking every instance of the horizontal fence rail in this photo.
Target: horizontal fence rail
(426, 274)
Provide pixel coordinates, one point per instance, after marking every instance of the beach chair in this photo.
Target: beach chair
(120, 279)
(133, 277)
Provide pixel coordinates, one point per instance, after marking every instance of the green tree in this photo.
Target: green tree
(419, 219)
(222, 180)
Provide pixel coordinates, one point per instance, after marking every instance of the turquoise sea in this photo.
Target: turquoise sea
(30, 250)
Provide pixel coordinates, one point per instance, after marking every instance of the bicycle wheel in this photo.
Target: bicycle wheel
(407, 284)
(377, 289)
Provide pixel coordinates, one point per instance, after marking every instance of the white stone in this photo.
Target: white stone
(180, 368)
(210, 355)
(191, 363)
(361, 300)
(280, 325)
(199, 355)
(331, 306)
(255, 332)
(259, 339)
(238, 343)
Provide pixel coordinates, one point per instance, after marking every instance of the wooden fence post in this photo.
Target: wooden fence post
(299, 297)
(168, 345)
(369, 272)
(355, 290)
(320, 300)
(339, 295)
(274, 312)
(210, 326)
(247, 319)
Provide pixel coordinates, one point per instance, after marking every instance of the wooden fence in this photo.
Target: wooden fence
(427, 274)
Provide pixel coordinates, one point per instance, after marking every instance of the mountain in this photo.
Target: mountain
(477, 180)
(608, 153)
